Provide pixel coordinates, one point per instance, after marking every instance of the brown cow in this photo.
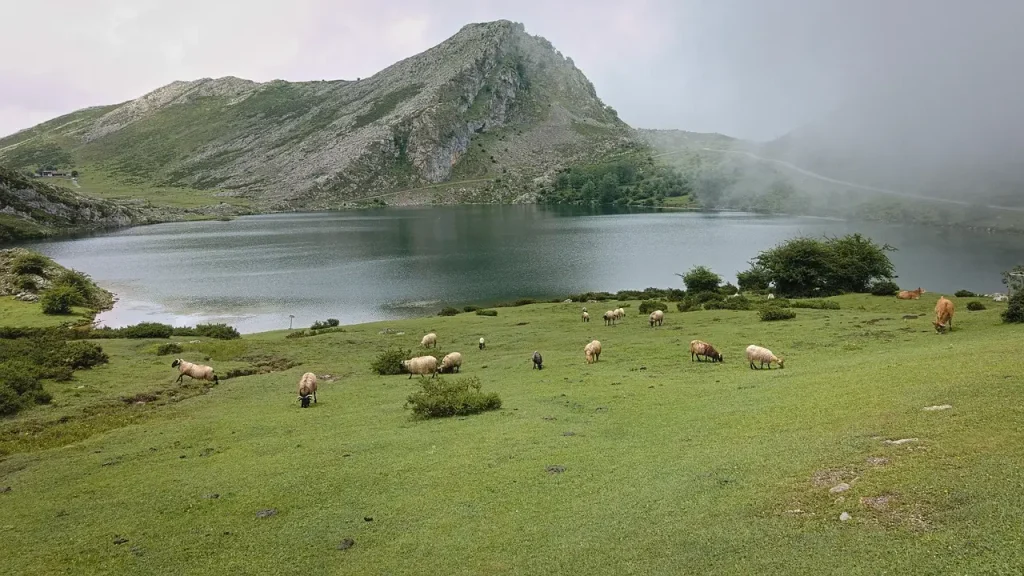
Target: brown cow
(943, 315)
(911, 294)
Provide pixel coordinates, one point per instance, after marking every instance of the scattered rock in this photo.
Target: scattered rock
(901, 441)
(939, 407)
(876, 502)
(569, 433)
(206, 452)
(843, 487)
(346, 544)
(651, 386)
(555, 469)
(182, 456)
(111, 462)
(549, 418)
(266, 513)
(368, 518)
(845, 516)
(601, 409)
(877, 461)
(120, 540)
(213, 496)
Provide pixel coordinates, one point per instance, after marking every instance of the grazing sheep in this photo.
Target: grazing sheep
(910, 294)
(421, 365)
(592, 351)
(771, 296)
(943, 315)
(764, 356)
(657, 317)
(700, 348)
(194, 371)
(482, 343)
(452, 362)
(430, 340)
(619, 313)
(307, 387)
(609, 318)
(585, 317)
(538, 362)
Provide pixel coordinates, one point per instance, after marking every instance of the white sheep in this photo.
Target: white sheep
(657, 317)
(771, 296)
(482, 345)
(592, 351)
(585, 317)
(430, 340)
(620, 313)
(451, 362)
(609, 318)
(421, 365)
(763, 356)
(307, 387)
(194, 371)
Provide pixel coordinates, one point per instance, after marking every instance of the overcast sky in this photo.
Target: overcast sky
(748, 68)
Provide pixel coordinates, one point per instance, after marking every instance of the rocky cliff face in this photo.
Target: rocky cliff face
(490, 109)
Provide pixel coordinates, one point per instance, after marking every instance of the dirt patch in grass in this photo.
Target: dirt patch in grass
(260, 364)
(832, 477)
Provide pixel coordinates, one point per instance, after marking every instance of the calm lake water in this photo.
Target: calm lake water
(369, 265)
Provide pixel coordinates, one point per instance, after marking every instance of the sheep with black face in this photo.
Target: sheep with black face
(307, 388)
(538, 362)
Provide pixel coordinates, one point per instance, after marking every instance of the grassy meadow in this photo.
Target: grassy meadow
(667, 466)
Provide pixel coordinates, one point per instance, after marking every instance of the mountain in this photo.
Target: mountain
(478, 117)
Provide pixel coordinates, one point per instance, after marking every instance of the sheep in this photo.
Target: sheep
(700, 348)
(910, 294)
(194, 371)
(592, 351)
(764, 356)
(482, 345)
(538, 362)
(1000, 298)
(451, 362)
(421, 365)
(585, 317)
(771, 296)
(943, 315)
(584, 308)
(619, 313)
(609, 318)
(307, 387)
(657, 317)
(429, 340)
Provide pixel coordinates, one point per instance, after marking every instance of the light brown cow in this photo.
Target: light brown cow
(911, 294)
(943, 315)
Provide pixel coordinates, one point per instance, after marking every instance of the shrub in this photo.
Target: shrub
(885, 288)
(728, 289)
(1015, 310)
(735, 303)
(756, 279)
(30, 263)
(440, 398)
(389, 362)
(524, 302)
(588, 296)
(700, 279)
(448, 311)
(773, 313)
(648, 306)
(964, 294)
(470, 308)
(329, 323)
(169, 348)
(486, 312)
(810, 266)
(297, 334)
(216, 331)
(137, 331)
(975, 306)
(1013, 279)
(77, 280)
(687, 306)
(60, 299)
(19, 390)
(26, 282)
(815, 304)
(81, 354)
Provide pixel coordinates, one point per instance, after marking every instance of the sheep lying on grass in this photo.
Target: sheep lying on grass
(195, 371)
(450, 363)
(420, 365)
(430, 340)
(307, 388)
(538, 362)
(592, 351)
(763, 356)
(700, 348)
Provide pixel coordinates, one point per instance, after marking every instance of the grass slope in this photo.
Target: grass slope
(672, 467)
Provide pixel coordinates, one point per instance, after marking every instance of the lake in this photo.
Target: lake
(391, 263)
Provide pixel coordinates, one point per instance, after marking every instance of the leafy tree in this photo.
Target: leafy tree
(754, 279)
(811, 266)
(1015, 311)
(59, 299)
(74, 173)
(701, 279)
(1013, 279)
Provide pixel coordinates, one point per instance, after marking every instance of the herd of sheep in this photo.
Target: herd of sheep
(758, 357)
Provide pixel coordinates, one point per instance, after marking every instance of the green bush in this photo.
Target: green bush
(735, 303)
(773, 313)
(588, 296)
(964, 294)
(389, 362)
(975, 306)
(728, 289)
(811, 267)
(756, 279)
(687, 306)
(19, 390)
(77, 280)
(215, 331)
(448, 311)
(701, 279)
(524, 302)
(885, 288)
(169, 348)
(27, 283)
(30, 263)
(815, 304)
(1015, 310)
(140, 330)
(648, 306)
(60, 299)
(329, 323)
(440, 398)
(81, 354)
(486, 312)
(470, 308)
